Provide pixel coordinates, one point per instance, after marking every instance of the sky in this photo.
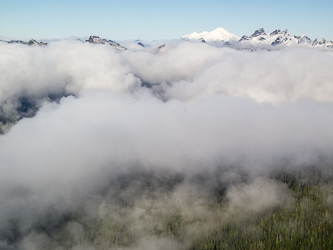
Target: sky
(154, 20)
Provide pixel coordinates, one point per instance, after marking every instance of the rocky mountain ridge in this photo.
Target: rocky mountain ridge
(258, 40)
(31, 42)
(98, 40)
(279, 37)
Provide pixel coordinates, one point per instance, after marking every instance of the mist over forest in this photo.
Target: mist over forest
(189, 147)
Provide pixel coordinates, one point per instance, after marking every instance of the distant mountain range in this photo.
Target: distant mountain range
(31, 42)
(279, 37)
(221, 37)
(259, 39)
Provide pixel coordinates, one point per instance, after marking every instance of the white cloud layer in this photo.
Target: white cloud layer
(205, 108)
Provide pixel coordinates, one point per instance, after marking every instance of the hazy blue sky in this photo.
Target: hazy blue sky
(147, 19)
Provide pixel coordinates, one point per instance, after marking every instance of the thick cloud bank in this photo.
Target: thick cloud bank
(29, 76)
(90, 120)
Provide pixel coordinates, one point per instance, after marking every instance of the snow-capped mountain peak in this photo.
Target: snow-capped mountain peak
(218, 34)
(259, 32)
(278, 37)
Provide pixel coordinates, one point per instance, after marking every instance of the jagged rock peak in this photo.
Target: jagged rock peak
(278, 37)
(259, 32)
(279, 32)
(202, 40)
(275, 32)
(160, 49)
(140, 44)
(244, 38)
(34, 42)
(303, 39)
(322, 41)
(91, 39)
(98, 40)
